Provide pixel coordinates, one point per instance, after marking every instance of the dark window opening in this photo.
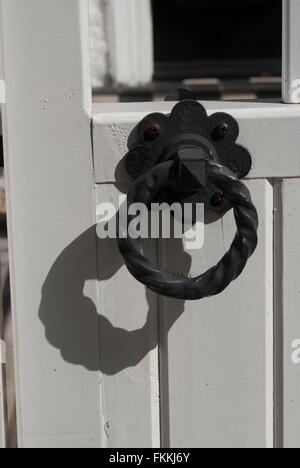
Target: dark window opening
(217, 38)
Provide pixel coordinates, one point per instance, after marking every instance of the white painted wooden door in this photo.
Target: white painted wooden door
(101, 361)
(215, 355)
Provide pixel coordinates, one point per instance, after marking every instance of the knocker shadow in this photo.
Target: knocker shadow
(70, 317)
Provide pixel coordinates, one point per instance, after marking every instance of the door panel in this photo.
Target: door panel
(128, 339)
(217, 359)
(287, 289)
(216, 355)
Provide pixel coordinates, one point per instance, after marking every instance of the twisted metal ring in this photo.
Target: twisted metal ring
(216, 279)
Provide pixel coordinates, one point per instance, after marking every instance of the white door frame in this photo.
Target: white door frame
(48, 119)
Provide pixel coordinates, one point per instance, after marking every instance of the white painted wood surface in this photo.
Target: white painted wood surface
(128, 326)
(87, 336)
(223, 347)
(216, 355)
(270, 131)
(99, 49)
(130, 39)
(217, 360)
(50, 204)
(291, 51)
(287, 313)
(121, 42)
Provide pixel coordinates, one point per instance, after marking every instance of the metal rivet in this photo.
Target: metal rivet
(152, 132)
(217, 199)
(220, 131)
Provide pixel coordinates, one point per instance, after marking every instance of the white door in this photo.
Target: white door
(101, 361)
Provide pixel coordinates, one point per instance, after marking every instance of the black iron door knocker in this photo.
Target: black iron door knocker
(191, 156)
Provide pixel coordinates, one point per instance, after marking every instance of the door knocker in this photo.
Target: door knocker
(189, 155)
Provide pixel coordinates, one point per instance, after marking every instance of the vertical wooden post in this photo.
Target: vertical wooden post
(130, 42)
(291, 51)
(49, 169)
(287, 370)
